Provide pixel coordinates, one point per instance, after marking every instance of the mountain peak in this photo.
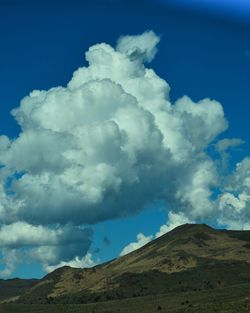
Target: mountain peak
(193, 226)
(188, 228)
(188, 248)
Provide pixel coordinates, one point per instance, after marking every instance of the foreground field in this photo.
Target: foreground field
(233, 299)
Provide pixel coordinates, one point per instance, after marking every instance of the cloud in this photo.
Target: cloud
(225, 144)
(141, 241)
(104, 147)
(174, 220)
(234, 202)
(84, 262)
(106, 241)
(47, 245)
(97, 251)
(20, 233)
(142, 47)
(10, 258)
(92, 147)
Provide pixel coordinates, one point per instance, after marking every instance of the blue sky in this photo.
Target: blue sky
(203, 52)
(228, 8)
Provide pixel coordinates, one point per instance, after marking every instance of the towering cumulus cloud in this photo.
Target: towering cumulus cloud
(104, 147)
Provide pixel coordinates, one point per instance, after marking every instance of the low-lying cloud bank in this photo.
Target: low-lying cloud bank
(105, 146)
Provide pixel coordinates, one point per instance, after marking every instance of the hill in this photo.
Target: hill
(12, 288)
(193, 267)
(190, 257)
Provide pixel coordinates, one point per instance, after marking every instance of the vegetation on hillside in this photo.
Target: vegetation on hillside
(193, 268)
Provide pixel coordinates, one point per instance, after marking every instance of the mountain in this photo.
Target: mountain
(192, 258)
(12, 288)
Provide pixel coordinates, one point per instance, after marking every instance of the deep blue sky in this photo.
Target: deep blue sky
(201, 54)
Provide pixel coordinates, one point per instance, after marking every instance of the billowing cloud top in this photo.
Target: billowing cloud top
(104, 147)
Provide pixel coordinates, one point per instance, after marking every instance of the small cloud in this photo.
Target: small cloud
(142, 46)
(10, 258)
(174, 220)
(84, 262)
(106, 241)
(97, 251)
(234, 203)
(141, 240)
(222, 146)
(225, 144)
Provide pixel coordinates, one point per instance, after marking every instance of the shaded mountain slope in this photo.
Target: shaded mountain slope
(12, 288)
(189, 258)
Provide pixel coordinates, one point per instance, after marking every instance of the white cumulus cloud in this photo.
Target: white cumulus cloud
(141, 240)
(103, 147)
(234, 203)
(174, 220)
(45, 244)
(84, 262)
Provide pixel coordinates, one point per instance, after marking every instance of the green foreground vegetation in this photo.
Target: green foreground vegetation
(232, 299)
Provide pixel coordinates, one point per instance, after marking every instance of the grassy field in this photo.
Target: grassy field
(233, 299)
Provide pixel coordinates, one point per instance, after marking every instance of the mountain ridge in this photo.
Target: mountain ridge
(184, 269)
(184, 251)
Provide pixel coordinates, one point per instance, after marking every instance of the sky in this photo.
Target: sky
(102, 152)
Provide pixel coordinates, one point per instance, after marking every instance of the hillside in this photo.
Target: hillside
(12, 288)
(190, 258)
